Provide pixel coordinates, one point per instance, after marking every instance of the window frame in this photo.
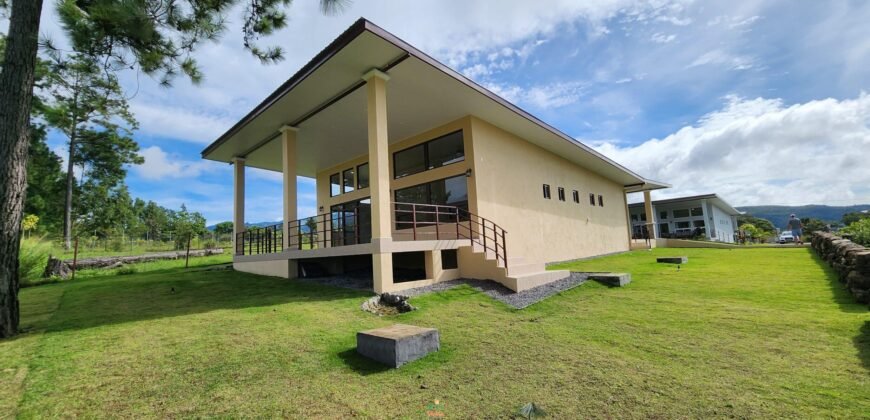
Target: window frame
(547, 194)
(561, 192)
(592, 199)
(332, 192)
(576, 196)
(600, 200)
(344, 186)
(426, 162)
(358, 184)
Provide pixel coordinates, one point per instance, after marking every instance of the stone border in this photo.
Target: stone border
(850, 260)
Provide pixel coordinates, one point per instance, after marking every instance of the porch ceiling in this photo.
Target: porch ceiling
(421, 94)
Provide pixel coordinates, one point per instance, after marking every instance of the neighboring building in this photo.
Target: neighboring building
(422, 176)
(707, 216)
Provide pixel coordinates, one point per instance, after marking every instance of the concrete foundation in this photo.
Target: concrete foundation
(612, 279)
(397, 344)
(673, 260)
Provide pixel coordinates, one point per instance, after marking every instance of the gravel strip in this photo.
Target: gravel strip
(490, 288)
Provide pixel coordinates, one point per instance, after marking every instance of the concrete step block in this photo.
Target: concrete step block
(397, 344)
(673, 260)
(612, 279)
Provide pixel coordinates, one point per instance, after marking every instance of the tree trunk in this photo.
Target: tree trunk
(16, 94)
(70, 184)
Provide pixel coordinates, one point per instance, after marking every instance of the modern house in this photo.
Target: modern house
(421, 175)
(706, 216)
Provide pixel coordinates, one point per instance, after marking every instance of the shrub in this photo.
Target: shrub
(209, 244)
(117, 244)
(127, 269)
(859, 231)
(32, 259)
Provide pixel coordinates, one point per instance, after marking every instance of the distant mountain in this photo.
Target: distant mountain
(778, 215)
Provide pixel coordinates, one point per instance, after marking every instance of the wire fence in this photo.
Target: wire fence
(89, 246)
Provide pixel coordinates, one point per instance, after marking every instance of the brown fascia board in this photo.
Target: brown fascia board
(358, 28)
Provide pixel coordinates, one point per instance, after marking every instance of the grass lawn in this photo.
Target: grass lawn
(734, 333)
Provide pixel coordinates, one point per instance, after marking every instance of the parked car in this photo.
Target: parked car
(786, 237)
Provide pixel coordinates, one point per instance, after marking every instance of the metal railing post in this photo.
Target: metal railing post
(457, 222)
(437, 223)
(414, 220)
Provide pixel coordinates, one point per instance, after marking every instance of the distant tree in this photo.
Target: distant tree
(29, 223)
(853, 217)
(88, 106)
(758, 222)
(223, 228)
(45, 183)
(155, 219)
(186, 224)
(812, 225)
(859, 231)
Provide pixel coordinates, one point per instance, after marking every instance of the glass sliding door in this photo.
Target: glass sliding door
(351, 222)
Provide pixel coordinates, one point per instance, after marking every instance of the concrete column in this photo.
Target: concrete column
(433, 264)
(650, 217)
(379, 175)
(238, 198)
(288, 159)
(709, 223)
(628, 220)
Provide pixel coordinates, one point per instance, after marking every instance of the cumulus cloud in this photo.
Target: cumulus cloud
(547, 96)
(660, 38)
(160, 165)
(760, 151)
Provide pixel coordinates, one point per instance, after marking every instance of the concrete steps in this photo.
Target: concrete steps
(519, 275)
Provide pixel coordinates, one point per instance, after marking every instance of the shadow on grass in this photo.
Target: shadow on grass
(839, 293)
(360, 364)
(177, 292)
(862, 343)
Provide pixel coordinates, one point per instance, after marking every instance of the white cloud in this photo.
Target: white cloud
(661, 38)
(719, 57)
(759, 151)
(182, 123)
(548, 96)
(161, 165)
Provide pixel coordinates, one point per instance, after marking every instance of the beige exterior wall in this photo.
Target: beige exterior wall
(509, 174)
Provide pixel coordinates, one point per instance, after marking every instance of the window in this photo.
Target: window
(334, 185)
(601, 201)
(436, 153)
(682, 225)
(449, 260)
(698, 223)
(643, 217)
(347, 180)
(591, 199)
(663, 215)
(362, 176)
(576, 195)
(409, 161)
(664, 229)
(696, 211)
(447, 192)
(561, 194)
(547, 191)
(681, 213)
(634, 217)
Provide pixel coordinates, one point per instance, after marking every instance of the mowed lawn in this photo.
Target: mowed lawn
(745, 333)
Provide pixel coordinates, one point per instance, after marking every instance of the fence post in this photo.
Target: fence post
(75, 258)
(187, 256)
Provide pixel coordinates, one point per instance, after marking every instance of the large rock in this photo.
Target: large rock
(849, 260)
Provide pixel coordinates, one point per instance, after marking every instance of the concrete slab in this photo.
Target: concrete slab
(612, 279)
(397, 344)
(673, 260)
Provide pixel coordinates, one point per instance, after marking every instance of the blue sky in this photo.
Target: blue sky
(763, 102)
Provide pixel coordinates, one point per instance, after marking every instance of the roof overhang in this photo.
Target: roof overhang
(324, 100)
(715, 199)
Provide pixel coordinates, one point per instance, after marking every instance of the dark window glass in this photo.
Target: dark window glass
(561, 194)
(681, 213)
(682, 225)
(445, 150)
(698, 223)
(546, 191)
(334, 185)
(643, 217)
(430, 155)
(449, 260)
(697, 211)
(591, 199)
(634, 217)
(418, 194)
(347, 180)
(576, 195)
(601, 201)
(444, 192)
(409, 161)
(450, 192)
(664, 229)
(663, 215)
(362, 176)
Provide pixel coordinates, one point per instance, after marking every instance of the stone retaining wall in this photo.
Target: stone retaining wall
(850, 260)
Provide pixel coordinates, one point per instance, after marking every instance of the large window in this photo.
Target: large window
(362, 176)
(679, 213)
(445, 192)
(663, 215)
(334, 185)
(696, 211)
(347, 180)
(430, 155)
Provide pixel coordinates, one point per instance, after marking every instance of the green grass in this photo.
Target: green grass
(745, 333)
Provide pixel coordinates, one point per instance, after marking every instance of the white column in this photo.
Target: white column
(238, 198)
(288, 159)
(650, 217)
(379, 175)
